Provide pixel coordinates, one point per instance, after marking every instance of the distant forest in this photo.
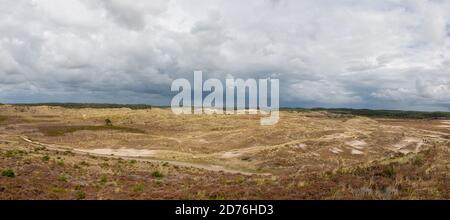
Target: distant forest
(344, 111)
(379, 113)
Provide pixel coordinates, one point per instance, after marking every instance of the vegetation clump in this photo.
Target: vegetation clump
(157, 174)
(80, 195)
(8, 173)
(45, 158)
(62, 130)
(389, 172)
(62, 178)
(138, 188)
(108, 122)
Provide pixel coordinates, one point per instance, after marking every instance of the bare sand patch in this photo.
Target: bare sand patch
(404, 146)
(336, 150)
(405, 142)
(230, 154)
(358, 144)
(123, 152)
(300, 146)
(356, 152)
(313, 154)
(445, 124)
(336, 136)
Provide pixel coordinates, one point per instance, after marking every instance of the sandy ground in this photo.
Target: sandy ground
(225, 146)
(237, 142)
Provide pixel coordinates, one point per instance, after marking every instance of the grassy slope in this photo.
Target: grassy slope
(40, 173)
(345, 111)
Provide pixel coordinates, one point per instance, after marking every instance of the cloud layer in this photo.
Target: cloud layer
(349, 53)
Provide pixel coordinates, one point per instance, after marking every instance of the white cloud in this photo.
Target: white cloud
(436, 90)
(348, 53)
(400, 94)
(322, 92)
(133, 14)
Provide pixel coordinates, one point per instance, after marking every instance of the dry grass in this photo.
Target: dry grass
(3, 118)
(313, 155)
(62, 130)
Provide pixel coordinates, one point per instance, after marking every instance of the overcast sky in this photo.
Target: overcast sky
(350, 53)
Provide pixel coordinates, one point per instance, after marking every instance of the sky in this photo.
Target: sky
(389, 54)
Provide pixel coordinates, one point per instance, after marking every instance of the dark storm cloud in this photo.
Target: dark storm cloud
(383, 54)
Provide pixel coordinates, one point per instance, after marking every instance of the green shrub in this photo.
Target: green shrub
(108, 122)
(418, 161)
(157, 174)
(103, 179)
(68, 152)
(62, 178)
(45, 158)
(8, 173)
(36, 149)
(389, 172)
(14, 153)
(80, 195)
(60, 163)
(138, 188)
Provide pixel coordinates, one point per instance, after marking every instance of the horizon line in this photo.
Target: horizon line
(168, 106)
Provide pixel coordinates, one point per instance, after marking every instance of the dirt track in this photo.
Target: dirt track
(215, 168)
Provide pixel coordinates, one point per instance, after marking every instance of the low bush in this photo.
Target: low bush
(8, 173)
